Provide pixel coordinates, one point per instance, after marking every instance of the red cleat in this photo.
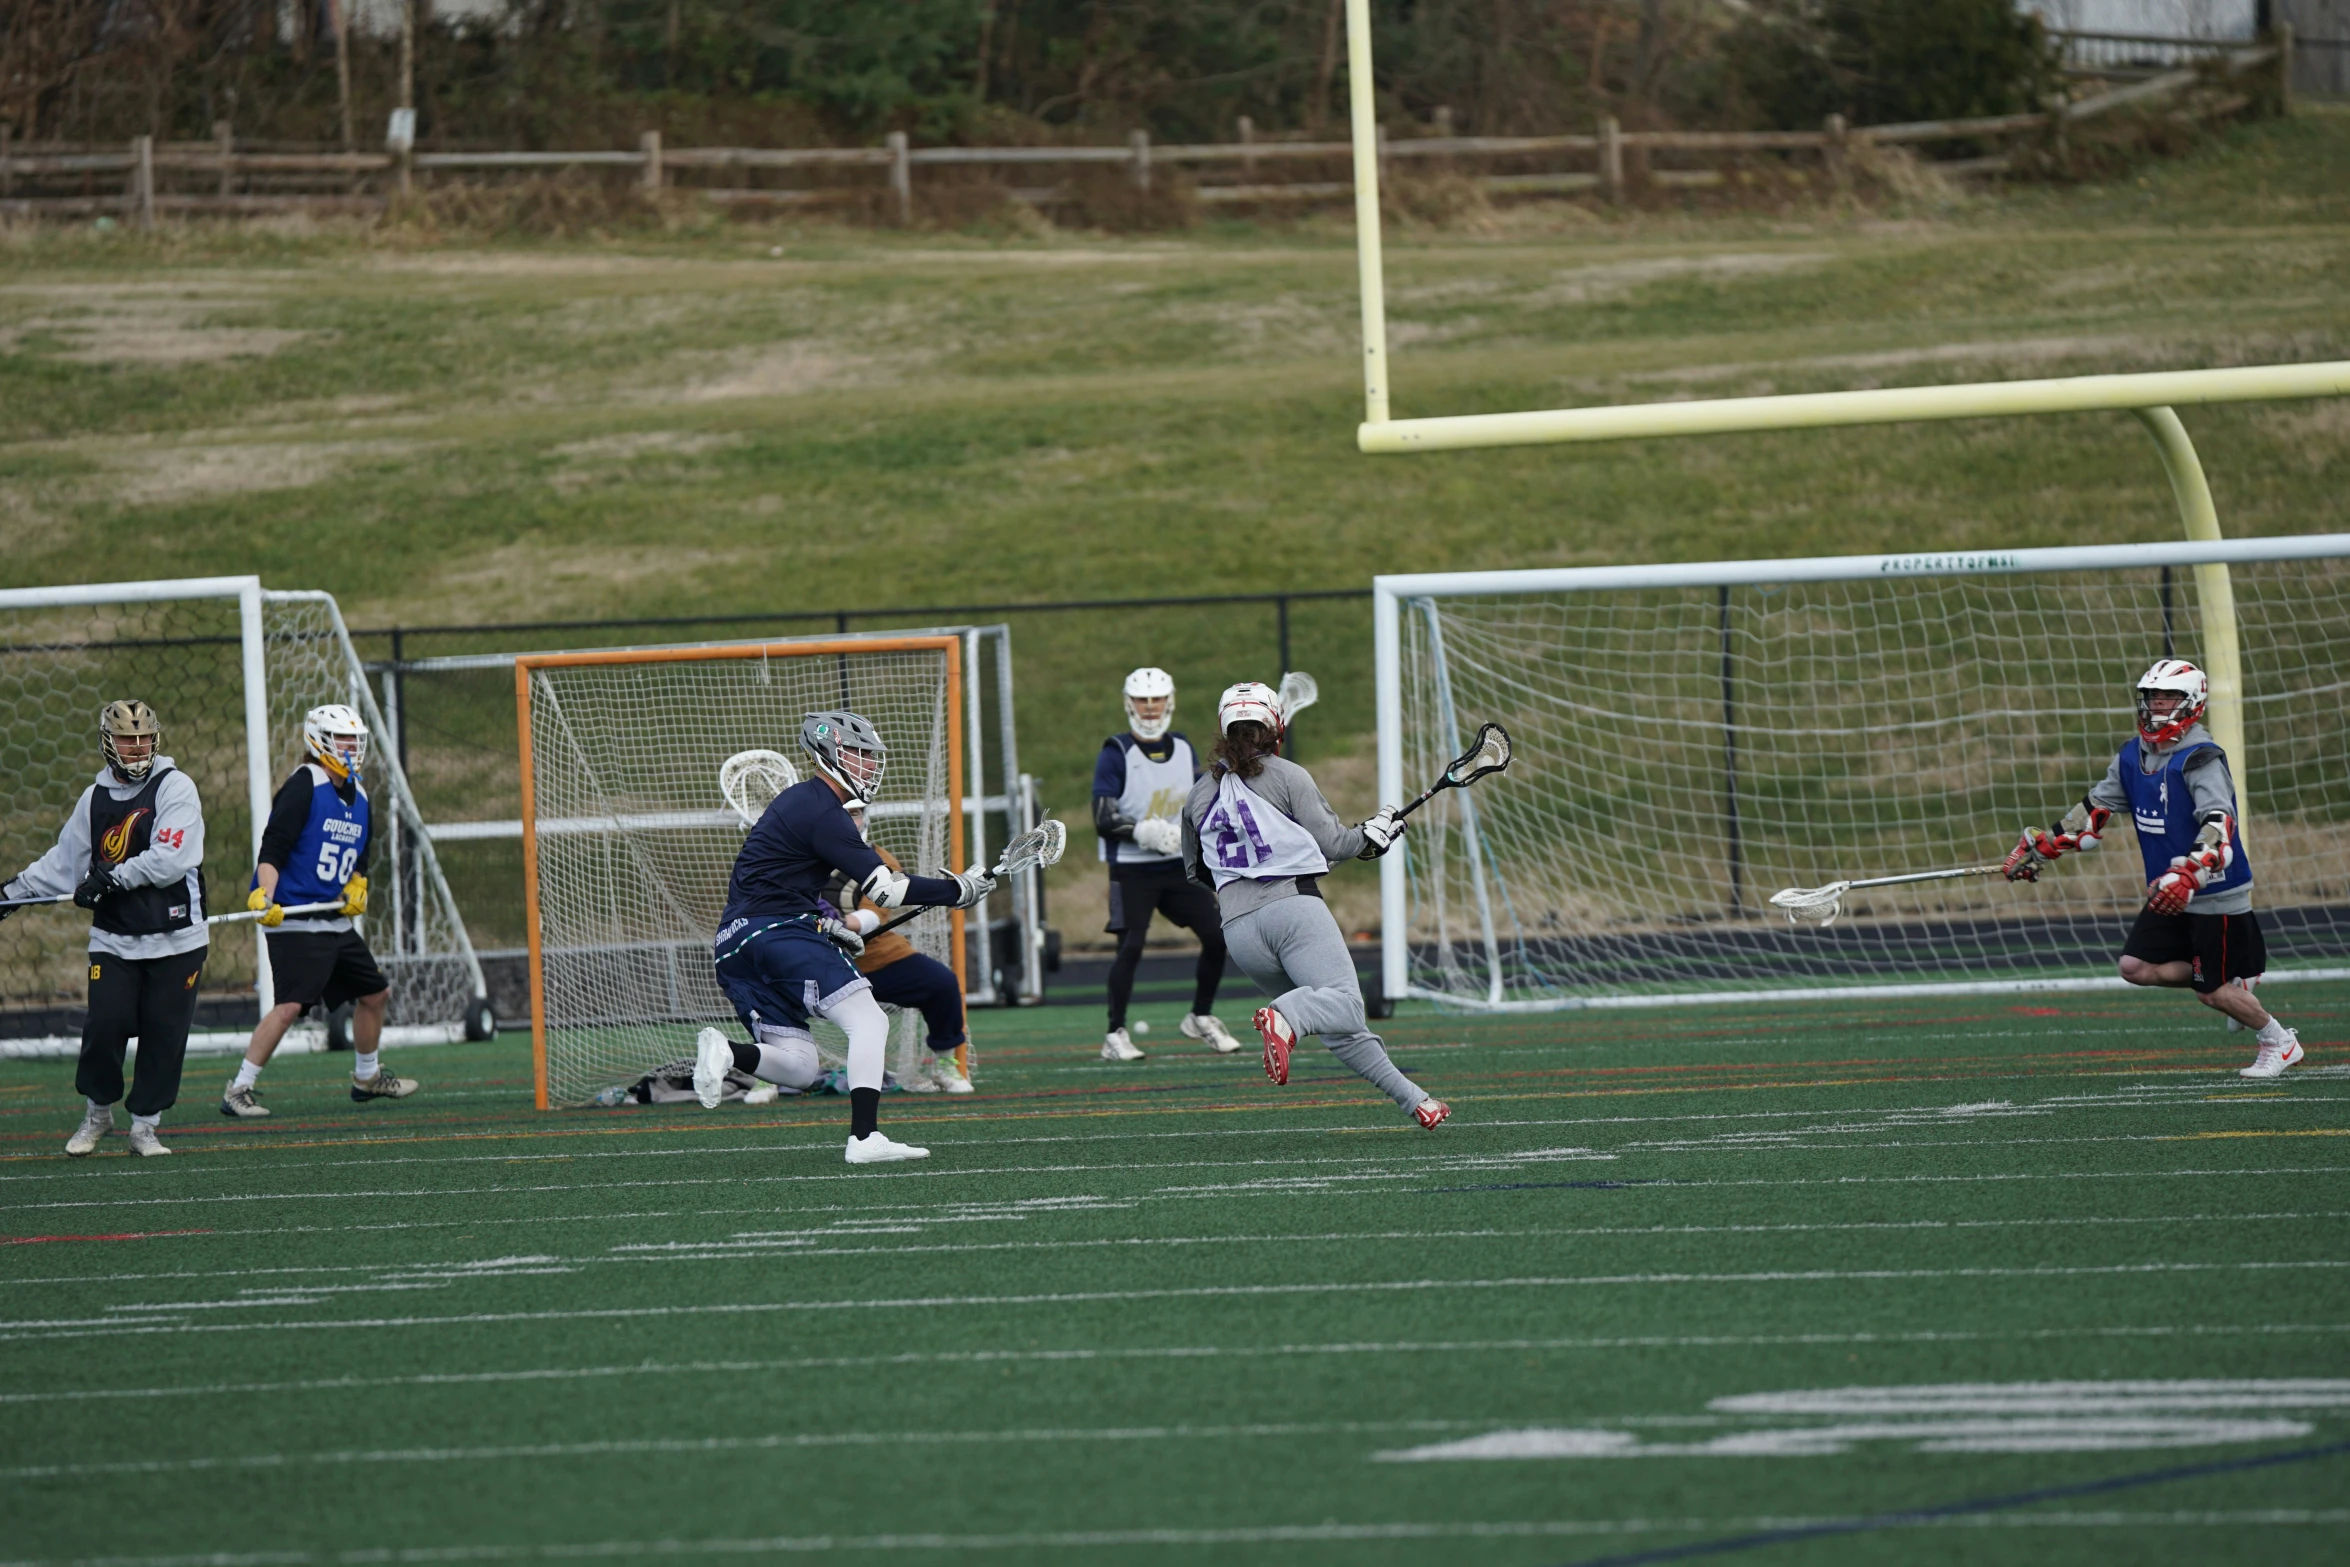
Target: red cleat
(1431, 1114)
(1280, 1039)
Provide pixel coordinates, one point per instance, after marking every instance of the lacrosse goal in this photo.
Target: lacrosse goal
(628, 836)
(1693, 738)
(230, 668)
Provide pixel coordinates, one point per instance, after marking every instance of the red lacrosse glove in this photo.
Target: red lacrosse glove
(2169, 892)
(2023, 862)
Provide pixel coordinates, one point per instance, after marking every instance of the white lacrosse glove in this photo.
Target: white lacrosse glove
(1158, 835)
(1381, 831)
(885, 888)
(842, 935)
(976, 884)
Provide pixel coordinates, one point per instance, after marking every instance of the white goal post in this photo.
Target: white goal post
(628, 840)
(1692, 738)
(230, 668)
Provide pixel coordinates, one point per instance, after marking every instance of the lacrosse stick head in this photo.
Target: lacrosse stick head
(1299, 691)
(1816, 905)
(1488, 753)
(750, 781)
(1039, 846)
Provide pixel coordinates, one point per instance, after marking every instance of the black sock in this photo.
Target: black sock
(746, 1057)
(864, 1111)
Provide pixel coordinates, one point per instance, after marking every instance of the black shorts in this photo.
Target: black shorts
(2221, 946)
(323, 967)
(1139, 891)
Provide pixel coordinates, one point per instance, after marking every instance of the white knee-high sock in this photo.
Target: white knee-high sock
(861, 1018)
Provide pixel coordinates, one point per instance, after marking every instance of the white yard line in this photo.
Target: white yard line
(803, 1243)
(989, 1357)
(151, 1318)
(1270, 1534)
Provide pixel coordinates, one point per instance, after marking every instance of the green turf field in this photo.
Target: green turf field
(1169, 1313)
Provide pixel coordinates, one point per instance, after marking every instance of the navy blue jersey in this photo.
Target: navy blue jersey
(802, 841)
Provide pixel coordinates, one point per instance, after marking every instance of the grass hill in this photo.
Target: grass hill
(752, 420)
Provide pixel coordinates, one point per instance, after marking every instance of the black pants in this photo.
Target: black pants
(922, 983)
(152, 999)
(1136, 893)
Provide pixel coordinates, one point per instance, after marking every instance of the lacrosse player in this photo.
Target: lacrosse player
(132, 853)
(2197, 929)
(1258, 827)
(1138, 787)
(314, 850)
(782, 958)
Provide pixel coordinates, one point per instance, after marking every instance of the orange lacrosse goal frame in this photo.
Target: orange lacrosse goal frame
(526, 664)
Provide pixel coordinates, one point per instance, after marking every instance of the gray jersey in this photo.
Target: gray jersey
(175, 852)
(1289, 789)
(2208, 781)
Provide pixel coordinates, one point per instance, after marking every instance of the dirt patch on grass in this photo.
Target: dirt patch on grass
(788, 370)
(114, 324)
(1608, 280)
(166, 475)
(2013, 351)
(645, 443)
(568, 580)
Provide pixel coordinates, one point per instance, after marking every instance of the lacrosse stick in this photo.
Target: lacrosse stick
(243, 915)
(1299, 691)
(751, 780)
(13, 904)
(1039, 846)
(1822, 904)
(1490, 754)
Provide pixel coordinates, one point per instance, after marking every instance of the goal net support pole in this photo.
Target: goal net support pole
(1695, 735)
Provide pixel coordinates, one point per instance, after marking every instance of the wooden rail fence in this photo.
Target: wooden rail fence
(1242, 164)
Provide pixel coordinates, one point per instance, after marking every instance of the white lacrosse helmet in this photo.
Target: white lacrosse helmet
(337, 739)
(2194, 693)
(1145, 685)
(1250, 702)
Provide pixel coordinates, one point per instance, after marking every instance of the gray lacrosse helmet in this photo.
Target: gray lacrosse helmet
(826, 735)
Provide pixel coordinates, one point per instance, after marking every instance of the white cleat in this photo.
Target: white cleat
(1208, 1031)
(145, 1143)
(86, 1137)
(2273, 1059)
(713, 1059)
(243, 1103)
(873, 1148)
(946, 1074)
(1118, 1045)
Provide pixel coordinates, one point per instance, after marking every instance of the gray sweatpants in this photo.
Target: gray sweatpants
(1293, 950)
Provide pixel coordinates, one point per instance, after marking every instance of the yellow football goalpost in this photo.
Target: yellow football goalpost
(2153, 398)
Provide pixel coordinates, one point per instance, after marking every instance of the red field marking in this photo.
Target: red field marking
(128, 1235)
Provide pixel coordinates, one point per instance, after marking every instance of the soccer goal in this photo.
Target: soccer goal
(230, 668)
(629, 832)
(1693, 738)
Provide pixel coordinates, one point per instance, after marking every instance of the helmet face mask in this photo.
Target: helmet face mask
(129, 735)
(2190, 694)
(848, 750)
(1150, 702)
(336, 737)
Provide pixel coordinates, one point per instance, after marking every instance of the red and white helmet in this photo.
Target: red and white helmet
(2194, 693)
(1250, 702)
(1149, 683)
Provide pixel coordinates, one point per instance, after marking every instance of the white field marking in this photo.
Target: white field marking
(989, 1357)
(805, 1244)
(2192, 1091)
(784, 1440)
(80, 1327)
(1963, 1417)
(1272, 1534)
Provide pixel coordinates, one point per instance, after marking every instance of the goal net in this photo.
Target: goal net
(628, 841)
(230, 669)
(1692, 739)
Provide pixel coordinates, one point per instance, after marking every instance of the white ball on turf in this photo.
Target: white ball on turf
(1138, 1028)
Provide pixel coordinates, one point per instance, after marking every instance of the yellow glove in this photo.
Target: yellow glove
(355, 895)
(272, 914)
